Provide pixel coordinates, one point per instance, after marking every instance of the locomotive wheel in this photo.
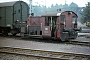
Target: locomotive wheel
(76, 34)
(62, 39)
(5, 34)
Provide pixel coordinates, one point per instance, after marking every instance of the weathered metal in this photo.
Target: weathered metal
(12, 14)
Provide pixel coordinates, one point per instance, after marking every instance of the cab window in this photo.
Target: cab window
(47, 21)
(63, 19)
(73, 19)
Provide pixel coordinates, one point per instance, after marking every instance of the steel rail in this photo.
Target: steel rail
(44, 54)
(87, 44)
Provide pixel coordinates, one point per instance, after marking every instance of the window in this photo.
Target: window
(47, 21)
(74, 19)
(63, 19)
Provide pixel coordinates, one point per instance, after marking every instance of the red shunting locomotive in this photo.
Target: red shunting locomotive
(57, 25)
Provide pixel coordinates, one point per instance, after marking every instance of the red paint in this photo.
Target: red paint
(28, 21)
(58, 33)
(46, 32)
(34, 21)
(68, 22)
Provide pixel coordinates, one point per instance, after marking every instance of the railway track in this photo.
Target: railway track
(48, 55)
(78, 43)
(71, 42)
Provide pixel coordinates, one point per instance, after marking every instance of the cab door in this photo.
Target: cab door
(46, 30)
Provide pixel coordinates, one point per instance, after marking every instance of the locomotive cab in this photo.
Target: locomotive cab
(60, 25)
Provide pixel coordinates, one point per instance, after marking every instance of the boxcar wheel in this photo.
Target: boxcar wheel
(13, 32)
(5, 34)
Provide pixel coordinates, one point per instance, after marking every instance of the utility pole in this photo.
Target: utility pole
(65, 2)
(45, 5)
(30, 5)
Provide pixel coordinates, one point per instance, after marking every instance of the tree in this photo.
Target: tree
(86, 14)
(73, 5)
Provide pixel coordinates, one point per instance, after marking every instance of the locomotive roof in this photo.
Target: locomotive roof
(52, 13)
(4, 4)
(57, 13)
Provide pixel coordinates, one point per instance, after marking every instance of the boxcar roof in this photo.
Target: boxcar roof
(4, 4)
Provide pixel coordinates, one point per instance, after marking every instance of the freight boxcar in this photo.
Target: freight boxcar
(57, 25)
(12, 14)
